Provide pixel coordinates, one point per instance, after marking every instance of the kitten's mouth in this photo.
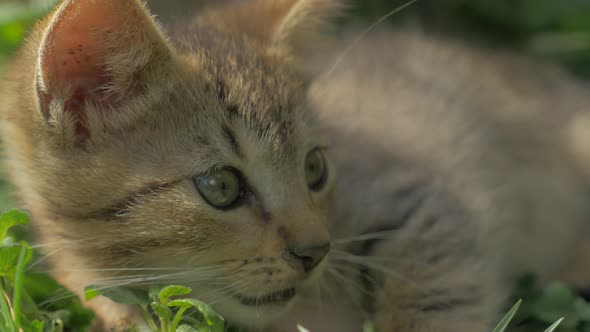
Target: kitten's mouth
(276, 297)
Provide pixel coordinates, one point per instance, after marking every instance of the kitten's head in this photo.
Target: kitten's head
(194, 154)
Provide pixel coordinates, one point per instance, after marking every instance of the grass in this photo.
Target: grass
(27, 299)
(557, 29)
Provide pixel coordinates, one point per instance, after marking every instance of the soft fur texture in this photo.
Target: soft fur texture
(464, 168)
(451, 170)
(106, 121)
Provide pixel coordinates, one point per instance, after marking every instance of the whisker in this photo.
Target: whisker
(136, 280)
(60, 294)
(366, 237)
(45, 257)
(343, 255)
(353, 277)
(123, 269)
(341, 280)
(377, 266)
(47, 244)
(230, 291)
(364, 33)
(323, 283)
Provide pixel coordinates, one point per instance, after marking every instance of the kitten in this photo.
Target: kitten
(196, 159)
(189, 158)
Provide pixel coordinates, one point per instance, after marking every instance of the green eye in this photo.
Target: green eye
(220, 189)
(315, 170)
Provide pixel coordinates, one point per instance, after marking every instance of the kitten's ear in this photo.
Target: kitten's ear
(94, 56)
(286, 26)
(300, 23)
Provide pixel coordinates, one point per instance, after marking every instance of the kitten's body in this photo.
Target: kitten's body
(463, 161)
(458, 155)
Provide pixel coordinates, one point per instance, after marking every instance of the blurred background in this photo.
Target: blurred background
(555, 29)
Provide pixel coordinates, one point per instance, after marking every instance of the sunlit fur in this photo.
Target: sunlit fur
(111, 191)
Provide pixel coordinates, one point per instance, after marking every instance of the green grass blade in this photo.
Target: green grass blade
(18, 285)
(177, 319)
(507, 318)
(6, 322)
(554, 326)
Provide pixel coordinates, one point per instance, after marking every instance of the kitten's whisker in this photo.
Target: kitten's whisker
(45, 257)
(47, 244)
(343, 255)
(353, 276)
(318, 294)
(328, 287)
(386, 270)
(364, 33)
(241, 285)
(229, 286)
(371, 279)
(366, 277)
(342, 281)
(59, 295)
(122, 277)
(122, 269)
(118, 281)
(383, 235)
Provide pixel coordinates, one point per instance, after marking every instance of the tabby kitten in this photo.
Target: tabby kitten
(196, 159)
(188, 158)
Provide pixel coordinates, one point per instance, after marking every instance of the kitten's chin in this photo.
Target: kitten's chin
(256, 311)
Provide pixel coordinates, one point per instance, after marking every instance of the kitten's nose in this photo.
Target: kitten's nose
(310, 256)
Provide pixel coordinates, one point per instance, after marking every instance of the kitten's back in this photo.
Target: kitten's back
(494, 128)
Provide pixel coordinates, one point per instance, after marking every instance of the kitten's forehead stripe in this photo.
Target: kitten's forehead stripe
(230, 137)
(252, 87)
(116, 209)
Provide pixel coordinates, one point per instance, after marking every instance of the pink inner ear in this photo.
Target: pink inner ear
(75, 51)
(79, 42)
(75, 60)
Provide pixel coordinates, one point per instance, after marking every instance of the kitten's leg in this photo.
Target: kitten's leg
(72, 272)
(450, 300)
(437, 273)
(111, 316)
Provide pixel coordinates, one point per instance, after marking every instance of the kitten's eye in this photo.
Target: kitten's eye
(220, 188)
(315, 170)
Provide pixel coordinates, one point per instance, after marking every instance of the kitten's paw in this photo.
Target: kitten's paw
(116, 317)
